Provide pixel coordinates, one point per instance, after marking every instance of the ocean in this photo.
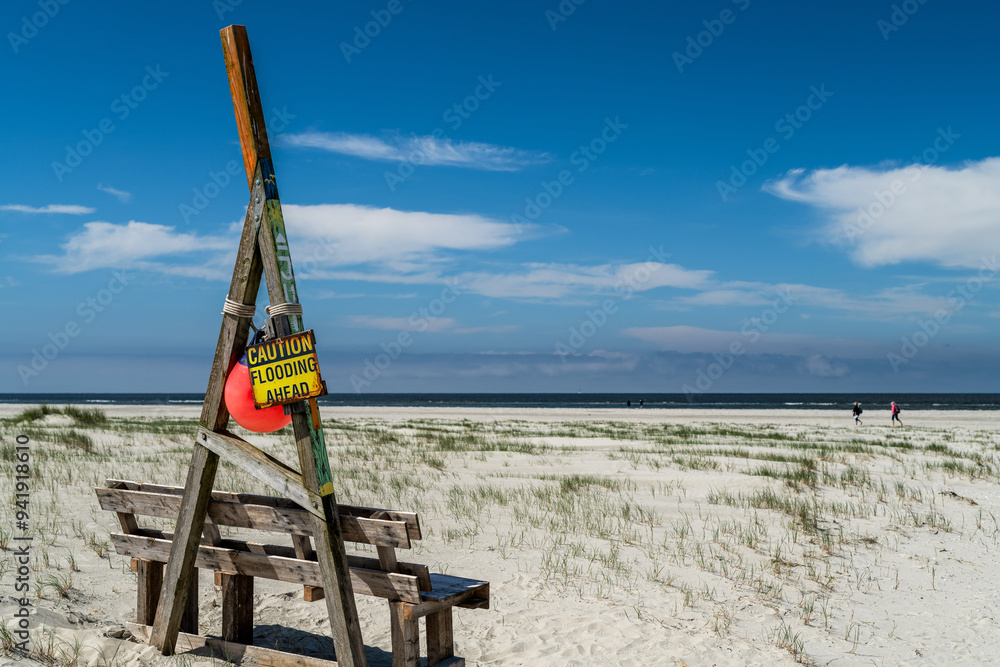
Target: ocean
(588, 401)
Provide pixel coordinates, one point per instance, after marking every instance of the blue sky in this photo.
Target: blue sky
(649, 197)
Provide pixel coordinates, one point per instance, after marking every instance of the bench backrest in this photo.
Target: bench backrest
(387, 530)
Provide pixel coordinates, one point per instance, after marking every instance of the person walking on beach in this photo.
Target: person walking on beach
(895, 414)
(857, 414)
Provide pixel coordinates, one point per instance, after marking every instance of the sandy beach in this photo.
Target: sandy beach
(610, 537)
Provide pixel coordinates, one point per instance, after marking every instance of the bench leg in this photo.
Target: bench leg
(440, 637)
(237, 608)
(150, 585)
(405, 635)
(150, 575)
(189, 620)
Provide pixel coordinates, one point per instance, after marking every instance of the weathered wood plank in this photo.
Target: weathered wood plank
(150, 582)
(329, 542)
(246, 98)
(262, 466)
(128, 522)
(447, 591)
(189, 619)
(388, 585)
(294, 520)
(204, 463)
(236, 653)
(181, 555)
(405, 632)
(211, 532)
(303, 550)
(440, 637)
(409, 518)
(421, 572)
(234, 331)
(237, 608)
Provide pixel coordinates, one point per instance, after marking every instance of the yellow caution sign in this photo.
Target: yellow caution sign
(285, 370)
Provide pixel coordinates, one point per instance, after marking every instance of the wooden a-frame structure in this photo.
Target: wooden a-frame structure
(263, 252)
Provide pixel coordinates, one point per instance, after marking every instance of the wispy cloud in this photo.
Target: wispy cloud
(424, 150)
(884, 304)
(69, 209)
(696, 340)
(325, 235)
(120, 194)
(946, 216)
(106, 245)
(401, 323)
(498, 329)
(436, 325)
(558, 281)
(543, 281)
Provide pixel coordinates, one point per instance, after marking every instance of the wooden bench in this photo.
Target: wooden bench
(413, 592)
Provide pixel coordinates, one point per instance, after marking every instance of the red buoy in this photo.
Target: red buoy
(239, 402)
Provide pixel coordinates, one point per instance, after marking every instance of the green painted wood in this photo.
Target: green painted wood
(280, 279)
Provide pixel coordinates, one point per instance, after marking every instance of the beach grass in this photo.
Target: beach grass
(774, 533)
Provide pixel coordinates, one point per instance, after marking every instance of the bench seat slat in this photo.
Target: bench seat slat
(446, 588)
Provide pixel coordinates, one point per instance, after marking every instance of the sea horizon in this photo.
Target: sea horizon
(638, 400)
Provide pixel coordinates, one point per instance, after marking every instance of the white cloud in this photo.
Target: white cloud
(120, 194)
(106, 245)
(423, 150)
(348, 234)
(326, 235)
(820, 366)
(69, 209)
(947, 216)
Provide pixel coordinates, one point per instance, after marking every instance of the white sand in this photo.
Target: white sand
(693, 581)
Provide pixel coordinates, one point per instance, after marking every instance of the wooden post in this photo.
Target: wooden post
(303, 549)
(440, 636)
(189, 619)
(405, 635)
(148, 589)
(150, 575)
(280, 279)
(237, 608)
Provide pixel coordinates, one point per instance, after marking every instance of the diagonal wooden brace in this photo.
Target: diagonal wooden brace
(204, 463)
(263, 250)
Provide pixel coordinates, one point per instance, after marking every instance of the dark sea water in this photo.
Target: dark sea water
(589, 401)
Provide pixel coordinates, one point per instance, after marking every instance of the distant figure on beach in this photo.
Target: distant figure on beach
(895, 414)
(857, 414)
(628, 403)
(641, 401)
